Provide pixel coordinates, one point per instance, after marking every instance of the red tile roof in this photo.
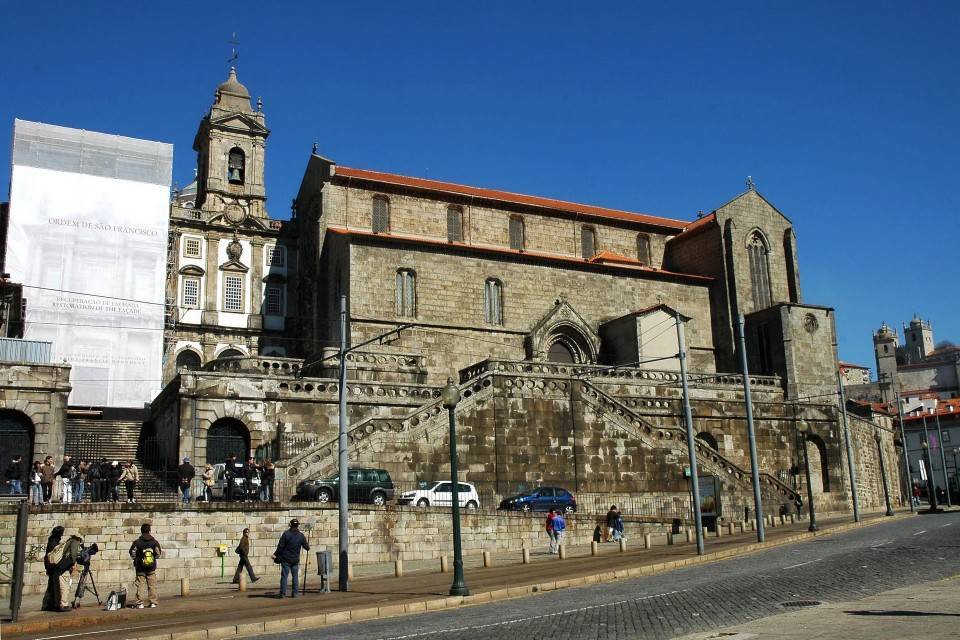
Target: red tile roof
(949, 407)
(610, 256)
(633, 266)
(507, 196)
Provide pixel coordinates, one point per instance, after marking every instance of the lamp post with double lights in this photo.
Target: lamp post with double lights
(804, 430)
(449, 397)
(883, 472)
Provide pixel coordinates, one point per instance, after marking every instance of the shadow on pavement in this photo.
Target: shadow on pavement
(904, 614)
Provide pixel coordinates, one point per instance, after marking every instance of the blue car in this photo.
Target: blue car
(542, 499)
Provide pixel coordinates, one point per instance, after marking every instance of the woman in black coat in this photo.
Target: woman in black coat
(51, 598)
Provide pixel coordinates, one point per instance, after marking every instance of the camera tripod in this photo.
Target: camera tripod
(83, 587)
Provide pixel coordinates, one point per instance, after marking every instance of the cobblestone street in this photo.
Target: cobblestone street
(838, 568)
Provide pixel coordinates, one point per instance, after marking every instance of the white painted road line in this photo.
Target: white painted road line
(794, 566)
(919, 532)
(946, 525)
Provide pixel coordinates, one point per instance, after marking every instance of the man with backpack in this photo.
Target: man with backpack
(145, 551)
(61, 556)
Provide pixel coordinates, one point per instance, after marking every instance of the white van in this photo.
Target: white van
(439, 494)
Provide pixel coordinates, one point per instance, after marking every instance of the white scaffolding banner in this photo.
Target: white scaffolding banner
(88, 240)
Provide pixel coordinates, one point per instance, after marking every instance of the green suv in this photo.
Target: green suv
(363, 485)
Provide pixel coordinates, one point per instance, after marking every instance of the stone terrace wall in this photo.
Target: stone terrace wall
(190, 536)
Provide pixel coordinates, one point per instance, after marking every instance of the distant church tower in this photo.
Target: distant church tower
(230, 146)
(885, 344)
(918, 339)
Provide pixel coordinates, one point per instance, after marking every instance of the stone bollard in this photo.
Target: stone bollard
(623, 545)
(184, 587)
(444, 566)
(398, 567)
(349, 571)
(562, 551)
(242, 585)
(731, 528)
(669, 539)
(526, 555)
(718, 530)
(594, 549)
(792, 521)
(487, 560)
(691, 535)
(647, 540)
(783, 519)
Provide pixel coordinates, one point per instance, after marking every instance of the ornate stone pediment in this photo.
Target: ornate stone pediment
(192, 270)
(234, 252)
(564, 325)
(238, 121)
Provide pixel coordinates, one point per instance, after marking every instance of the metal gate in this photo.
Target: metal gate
(227, 437)
(16, 438)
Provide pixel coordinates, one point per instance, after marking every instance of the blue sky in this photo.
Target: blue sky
(845, 114)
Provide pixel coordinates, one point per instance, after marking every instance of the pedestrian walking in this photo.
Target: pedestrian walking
(145, 552)
(36, 484)
(559, 527)
(798, 504)
(48, 474)
(67, 474)
(267, 475)
(80, 480)
(618, 527)
(551, 533)
(93, 480)
(113, 481)
(13, 476)
(208, 482)
(288, 555)
(185, 474)
(611, 521)
(130, 477)
(243, 550)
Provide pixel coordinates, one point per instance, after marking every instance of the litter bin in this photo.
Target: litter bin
(324, 568)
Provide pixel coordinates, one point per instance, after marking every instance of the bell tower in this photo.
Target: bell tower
(230, 146)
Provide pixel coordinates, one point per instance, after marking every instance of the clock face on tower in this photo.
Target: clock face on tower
(235, 214)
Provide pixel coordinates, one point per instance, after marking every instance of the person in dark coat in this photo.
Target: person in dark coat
(288, 554)
(145, 551)
(48, 474)
(105, 480)
(51, 597)
(13, 476)
(93, 479)
(251, 472)
(611, 523)
(229, 477)
(114, 481)
(267, 475)
(243, 550)
(185, 475)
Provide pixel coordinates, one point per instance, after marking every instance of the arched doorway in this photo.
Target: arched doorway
(819, 467)
(188, 359)
(707, 439)
(226, 437)
(16, 439)
(568, 346)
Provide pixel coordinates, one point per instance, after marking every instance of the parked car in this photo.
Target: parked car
(363, 485)
(219, 488)
(439, 494)
(542, 499)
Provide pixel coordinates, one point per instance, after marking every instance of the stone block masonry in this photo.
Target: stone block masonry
(190, 536)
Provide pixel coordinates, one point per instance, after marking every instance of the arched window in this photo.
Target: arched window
(188, 359)
(588, 243)
(454, 224)
(758, 249)
(516, 233)
(236, 166)
(231, 353)
(406, 293)
(493, 301)
(643, 248)
(707, 438)
(381, 214)
(227, 437)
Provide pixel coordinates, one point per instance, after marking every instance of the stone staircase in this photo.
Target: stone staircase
(118, 438)
(773, 490)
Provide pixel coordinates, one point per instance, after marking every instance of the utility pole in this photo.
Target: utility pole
(343, 567)
(846, 436)
(751, 434)
(691, 446)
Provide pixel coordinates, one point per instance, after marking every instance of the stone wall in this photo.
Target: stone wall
(190, 536)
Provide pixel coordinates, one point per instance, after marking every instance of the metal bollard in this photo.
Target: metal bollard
(487, 560)
(562, 550)
(647, 540)
(623, 545)
(184, 587)
(444, 565)
(242, 585)
(526, 556)
(669, 539)
(594, 550)
(398, 567)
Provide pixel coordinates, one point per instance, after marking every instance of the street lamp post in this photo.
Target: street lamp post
(804, 430)
(450, 396)
(931, 490)
(943, 461)
(883, 472)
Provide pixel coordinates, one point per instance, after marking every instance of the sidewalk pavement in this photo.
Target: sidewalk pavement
(930, 610)
(216, 609)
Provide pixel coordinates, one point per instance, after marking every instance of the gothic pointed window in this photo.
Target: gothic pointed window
(516, 233)
(381, 214)
(643, 248)
(588, 243)
(493, 301)
(406, 293)
(236, 166)
(454, 224)
(758, 250)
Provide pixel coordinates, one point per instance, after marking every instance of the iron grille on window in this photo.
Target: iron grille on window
(588, 243)
(274, 301)
(406, 293)
(493, 302)
(276, 256)
(516, 233)
(381, 215)
(454, 224)
(233, 293)
(191, 247)
(191, 293)
(643, 248)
